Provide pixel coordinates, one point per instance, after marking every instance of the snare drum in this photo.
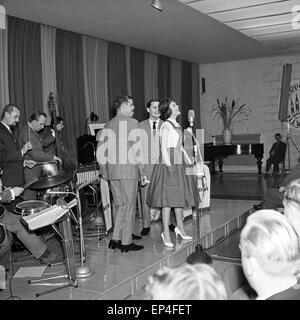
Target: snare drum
(28, 207)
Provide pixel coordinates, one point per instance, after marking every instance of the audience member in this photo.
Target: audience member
(270, 255)
(274, 196)
(186, 282)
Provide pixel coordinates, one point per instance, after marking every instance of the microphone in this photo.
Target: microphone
(191, 116)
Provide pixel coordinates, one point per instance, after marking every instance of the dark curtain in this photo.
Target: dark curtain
(137, 83)
(186, 92)
(70, 86)
(116, 72)
(164, 76)
(196, 95)
(25, 67)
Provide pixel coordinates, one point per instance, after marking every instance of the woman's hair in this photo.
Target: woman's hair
(164, 108)
(186, 282)
(270, 238)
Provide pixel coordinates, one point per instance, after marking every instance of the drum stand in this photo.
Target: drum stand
(97, 219)
(68, 246)
(83, 271)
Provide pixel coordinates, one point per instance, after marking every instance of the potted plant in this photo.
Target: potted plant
(229, 111)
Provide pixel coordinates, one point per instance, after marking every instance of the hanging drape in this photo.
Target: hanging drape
(128, 70)
(95, 77)
(164, 76)
(138, 85)
(70, 85)
(176, 80)
(150, 76)
(48, 36)
(186, 92)
(196, 94)
(24, 66)
(4, 94)
(116, 72)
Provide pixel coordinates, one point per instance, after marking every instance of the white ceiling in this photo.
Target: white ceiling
(178, 31)
(275, 23)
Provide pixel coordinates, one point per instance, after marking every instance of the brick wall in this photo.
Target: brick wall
(258, 83)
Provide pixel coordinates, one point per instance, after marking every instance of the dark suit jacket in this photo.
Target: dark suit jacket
(36, 153)
(11, 159)
(279, 149)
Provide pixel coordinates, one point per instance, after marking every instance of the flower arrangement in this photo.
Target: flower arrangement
(229, 111)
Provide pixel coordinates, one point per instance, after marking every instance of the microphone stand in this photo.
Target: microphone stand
(200, 255)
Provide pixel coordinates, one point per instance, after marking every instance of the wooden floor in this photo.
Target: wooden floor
(124, 275)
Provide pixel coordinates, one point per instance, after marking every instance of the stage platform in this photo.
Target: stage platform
(124, 275)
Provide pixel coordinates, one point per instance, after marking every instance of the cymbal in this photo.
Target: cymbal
(49, 182)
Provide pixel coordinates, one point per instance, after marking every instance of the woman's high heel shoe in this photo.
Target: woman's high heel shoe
(166, 243)
(184, 237)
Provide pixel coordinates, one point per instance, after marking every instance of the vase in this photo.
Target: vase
(227, 136)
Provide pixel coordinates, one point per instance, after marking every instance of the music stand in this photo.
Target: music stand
(66, 235)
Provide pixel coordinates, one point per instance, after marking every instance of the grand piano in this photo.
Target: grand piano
(219, 152)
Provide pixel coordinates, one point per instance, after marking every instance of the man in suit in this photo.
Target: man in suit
(151, 156)
(11, 152)
(277, 155)
(30, 133)
(119, 164)
(270, 256)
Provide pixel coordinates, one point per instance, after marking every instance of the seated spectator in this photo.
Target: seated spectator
(186, 282)
(274, 196)
(277, 155)
(270, 255)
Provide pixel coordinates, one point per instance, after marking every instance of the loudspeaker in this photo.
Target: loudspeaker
(203, 85)
(285, 92)
(86, 149)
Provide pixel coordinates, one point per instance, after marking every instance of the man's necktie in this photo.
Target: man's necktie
(11, 132)
(154, 128)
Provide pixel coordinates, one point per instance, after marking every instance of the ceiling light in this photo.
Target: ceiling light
(156, 4)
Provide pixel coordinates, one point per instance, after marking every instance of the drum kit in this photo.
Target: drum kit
(52, 188)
